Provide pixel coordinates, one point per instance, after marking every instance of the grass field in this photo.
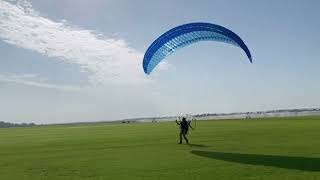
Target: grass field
(277, 148)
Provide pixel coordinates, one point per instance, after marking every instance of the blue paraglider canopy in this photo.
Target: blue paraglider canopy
(187, 34)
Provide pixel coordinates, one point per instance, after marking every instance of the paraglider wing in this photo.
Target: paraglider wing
(187, 34)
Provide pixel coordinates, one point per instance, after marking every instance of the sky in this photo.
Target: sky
(74, 61)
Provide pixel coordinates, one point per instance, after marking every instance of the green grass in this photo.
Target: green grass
(274, 148)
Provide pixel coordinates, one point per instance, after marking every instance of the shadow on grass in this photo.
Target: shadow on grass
(197, 145)
(287, 162)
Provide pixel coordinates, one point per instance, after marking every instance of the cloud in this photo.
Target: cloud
(36, 81)
(107, 60)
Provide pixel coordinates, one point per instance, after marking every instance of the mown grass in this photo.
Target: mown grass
(273, 148)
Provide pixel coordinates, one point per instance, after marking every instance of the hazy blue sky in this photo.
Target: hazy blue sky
(72, 60)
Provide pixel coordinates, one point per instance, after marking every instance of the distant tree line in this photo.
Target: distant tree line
(12, 125)
(259, 112)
